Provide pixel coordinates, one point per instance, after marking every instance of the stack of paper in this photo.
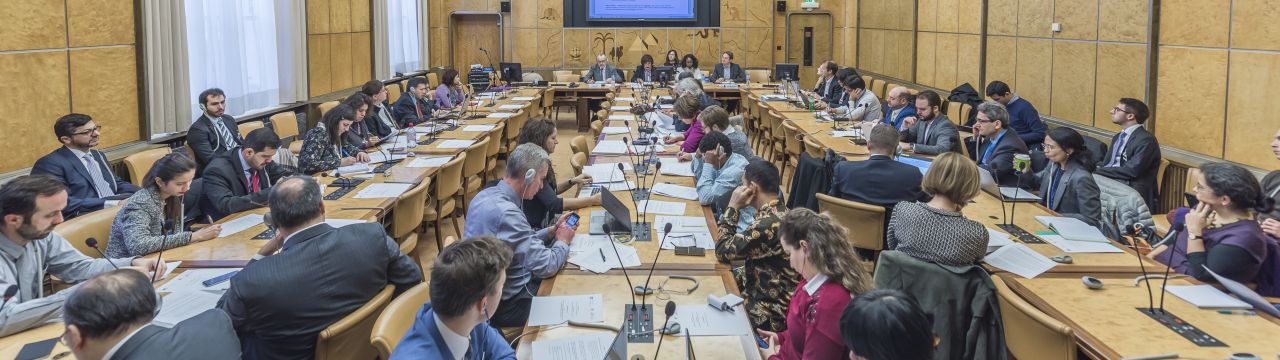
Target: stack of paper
(457, 144)
(511, 106)
(383, 190)
(703, 320)
(551, 310)
(499, 115)
(624, 99)
(619, 186)
(381, 157)
(660, 207)
(604, 258)
(997, 239)
(357, 168)
(604, 173)
(182, 305)
(702, 240)
(425, 162)
(478, 128)
(397, 143)
(676, 191)
(675, 167)
(239, 224)
(591, 346)
(1072, 246)
(1020, 260)
(586, 242)
(620, 108)
(616, 130)
(1072, 228)
(610, 147)
(1206, 296)
(680, 224)
(622, 117)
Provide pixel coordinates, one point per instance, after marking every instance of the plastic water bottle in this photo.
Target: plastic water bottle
(748, 79)
(412, 134)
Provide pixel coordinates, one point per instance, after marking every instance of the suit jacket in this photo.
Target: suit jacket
(833, 95)
(226, 190)
(1139, 164)
(357, 134)
(1076, 195)
(879, 180)
(423, 341)
(942, 137)
(735, 73)
(610, 72)
(280, 303)
(82, 196)
(638, 75)
(206, 143)
(374, 121)
(896, 121)
(205, 336)
(1000, 161)
(405, 113)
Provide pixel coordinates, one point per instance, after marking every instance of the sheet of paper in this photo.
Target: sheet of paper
(1245, 293)
(619, 186)
(620, 108)
(699, 239)
(844, 133)
(192, 279)
(610, 147)
(478, 128)
(586, 242)
(1206, 297)
(622, 117)
(500, 115)
(425, 162)
(1019, 259)
(179, 306)
(456, 144)
(681, 224)
(604, 174)
(645, 149)
(169, 267)
(522, 98)
(703, 320)
(383, 190)
(381, 157)
(357, 168)
(239, 224)
(397, 143)
(616, 130)
(591, 346)
(1072, 228)
(1071, 246)
(660, 207)
(997, 239)
(621, 99)
(511, 106)
(676, 191)
(675, 167)
(603, 258)
(551, 310)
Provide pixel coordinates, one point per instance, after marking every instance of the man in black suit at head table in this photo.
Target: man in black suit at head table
(878, 180)
(90, 183)
(1134, 158)
(281, 301)
(109, 317)
(240, 179)
(214, 132)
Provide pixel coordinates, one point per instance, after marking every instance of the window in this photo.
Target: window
(232, 45)
(403, 36)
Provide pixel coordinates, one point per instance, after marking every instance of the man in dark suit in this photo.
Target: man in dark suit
(996, 144)
(645, 72)
(415, 106)
(240, 180)
(109, 317)
(929, 132)
(899, 105)
(879, 180)
(380, 121)
(602, 71)
(90, 183)
(280, 302)
(1134, 158)
(829, 90)
(727, 71)
(213, 133)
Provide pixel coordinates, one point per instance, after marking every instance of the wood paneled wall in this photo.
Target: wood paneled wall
(339, 45)
(885, 44)
(949, 43)
(63, 56)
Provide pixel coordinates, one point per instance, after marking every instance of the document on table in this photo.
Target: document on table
(456, 144)
(182, 305)
(660, 207)
(844, 133)
(618, 186)
(192, 280)
(602, 173)
(381, 157)
(997, 239)
(500, 115)
(603, 258)
(1245, 293)
(429, 162)
(675, 167)
(644, 149)
(551, 310)
(622, 117)
(1072, 246)
(1072, 228)
(620, 108)
(680, 224)
(621, 99)
(169, 267)
(703, 320)
(587, 242)
(592, 346)
(511, 106)
(610, 147)
(398, 143)
(383, 190)
(478, 128)
(699, 239)
(239, 224)
(615, 130)
(1019, 259)
(1206, 297)
(522, 98)
(675, 191)
(357, 168)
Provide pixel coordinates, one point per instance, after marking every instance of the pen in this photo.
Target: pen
(602, 258)
(1241, 312)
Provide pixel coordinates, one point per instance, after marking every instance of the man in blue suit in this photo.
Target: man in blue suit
(466, 286)
(899, 105)
(90, 183)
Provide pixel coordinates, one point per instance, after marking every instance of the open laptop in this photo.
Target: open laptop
(617, 349)
(614, 213)
(1004, 193)
(919, 163)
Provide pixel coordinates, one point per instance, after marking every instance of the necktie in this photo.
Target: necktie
(925, 136)
(221, 128)
(99, 182)
(253, 181)
(417, 108)
(1116, 150)
(1053, 187)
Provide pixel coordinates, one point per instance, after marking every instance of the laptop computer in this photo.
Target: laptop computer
(618, 349)
(919, 163)
(1004, 193)
(615, 213)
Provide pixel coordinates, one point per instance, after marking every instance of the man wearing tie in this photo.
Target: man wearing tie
(213, 133)
(415, 106)
(239, 180)
(996, 143)
(602, 72)
(644, 73)
(90, 183)
(727, 71)
(1134, 158)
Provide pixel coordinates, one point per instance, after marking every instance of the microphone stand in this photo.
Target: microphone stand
(644, 292)
(167, 229)
(639, 227)
(638, 318)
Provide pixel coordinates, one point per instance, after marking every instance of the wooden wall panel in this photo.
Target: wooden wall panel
(928, 15)
(318, 16)
(1002, 56)
(1002, 17)
(603, 42)
(1192, 103)
(970, 16)
(926, 58)
(1211, 19)
(524, 15)
(340, 61)
(968, 61)
(1121, 74)
(1079, 19)
(1254, 80)
(100, 22)
(1254, 25)
(1034, 18)
(1034, 57)
(439, 45)
(947, 56)
(362, 58)
(551, 48)
(36, 78)
(1122, 20)
(948, 15)
(318, 59)
(360, 13)
(837, 9)
(470, 33)
(524, 47)
(1073, 88)
(850, 47)
(340, 16)
(577, 54)
(551, 13)
(104, 84)
(750, 46)
(33, 24)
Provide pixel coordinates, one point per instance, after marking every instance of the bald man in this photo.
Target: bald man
(602, 71)
(898, 106)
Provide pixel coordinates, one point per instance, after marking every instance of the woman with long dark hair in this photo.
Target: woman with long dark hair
(547, 202)
(451, 92)
(139, 226)
(360, 135)
(1067, 184)
(323, 148)
(672, 58)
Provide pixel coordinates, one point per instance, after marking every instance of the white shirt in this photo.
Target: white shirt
(816, 282)
(126, 338)
(87, 164)
(457, 343)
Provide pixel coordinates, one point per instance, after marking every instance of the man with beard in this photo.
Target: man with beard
(929, 132)
(213, 133)
(30, 206)
(85, 172)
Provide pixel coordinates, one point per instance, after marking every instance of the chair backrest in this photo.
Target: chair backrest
(393, 92)
(95, 225)
(495, 140)
(775, 126)
(139, 163)
(596, 127)
(327, 105)
(866, 79)
(449, 179)
(567, 78)
(398, 318)
(1030, 333)
(955, 112)
(864, 222)
(348, 338)
(578, 144)
(409, 209)
(1190, 184)
(513, 126)
(792, 133)
(477, 154)
(578, 161)
(759, 75)
(285, 124)
(246, 127)
(1164, 166)
(433, 80)
(557, 73)
(812, 147)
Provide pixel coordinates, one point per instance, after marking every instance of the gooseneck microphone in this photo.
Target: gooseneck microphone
(1138, 232)
(93, 243)
(1173, 249)
(670, 311)
(608, 231)
(167, 229)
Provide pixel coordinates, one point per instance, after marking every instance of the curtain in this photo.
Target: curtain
(232, 45)
(403, 36)
(165, 53)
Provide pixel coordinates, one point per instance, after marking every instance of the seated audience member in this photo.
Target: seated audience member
(539, 210)
(109, 317)
(829, 91)
(86, 172)
(139, 227)
(686, 84)
(929, 132)
(832, 275)
(672, 59)
(937, 231)
(878, 180)
(689, 65)
(451, 92)
(687, 109)
(1134, 158)
(602, 71)
(466, 288)
(415, 106)
(381, 121)
(30, 206)
(309, 275)
(239, 181)
(539, 253)
(725, 170)
(1271, 188)
(887, 325)
(1221, 232)
(214, 132)
(359, 134)
(324, 147)
(766, 281)
(994, 151)
(899, 104)
(1023, 117)
(1066, 185)
(862, 104)
(727, 71)
(645, 72)
(716, 119)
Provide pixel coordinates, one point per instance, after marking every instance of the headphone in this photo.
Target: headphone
(202, 107)
(528, 179)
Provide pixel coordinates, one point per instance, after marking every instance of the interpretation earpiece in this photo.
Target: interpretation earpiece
(202, 107)
(528, 176)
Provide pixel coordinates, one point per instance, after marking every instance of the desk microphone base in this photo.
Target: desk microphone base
(639, 194)
(1020, 234)
(640, 231)
(639, 323)
(1182, 327)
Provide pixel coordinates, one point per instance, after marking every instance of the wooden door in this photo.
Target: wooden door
(472, 32)
(809, 43)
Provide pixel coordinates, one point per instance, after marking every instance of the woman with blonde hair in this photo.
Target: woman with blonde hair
(833, 274)
(937, 231)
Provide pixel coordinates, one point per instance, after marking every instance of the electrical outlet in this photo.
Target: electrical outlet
(1056, 27)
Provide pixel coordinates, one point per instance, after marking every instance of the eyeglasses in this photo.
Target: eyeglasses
(1198, 188)
(1120, 109)
(1047, 146)
(89, 131)
(987, 121)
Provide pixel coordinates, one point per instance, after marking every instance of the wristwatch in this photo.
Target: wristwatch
(1191, 236)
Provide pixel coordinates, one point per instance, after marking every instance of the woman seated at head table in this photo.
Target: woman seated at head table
(1066, 185)
(673, 59)
(689, 64)
(887, 325)
(546, 203)
(323, 148)
(1221, 233)
(451, 92)
(937, 231)
(687, 110)
(832, 275)
(139, 227)
(359, 133)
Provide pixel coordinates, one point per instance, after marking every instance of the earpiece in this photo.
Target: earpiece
(528, 176)
(202, 107)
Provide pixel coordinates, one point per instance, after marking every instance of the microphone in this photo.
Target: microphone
(1173, 233)
(666, 230)
(639, 179)
(637, 317)
(93, 243)
(670, 311)
(167, 228)
(13, 290)
(1137, 231)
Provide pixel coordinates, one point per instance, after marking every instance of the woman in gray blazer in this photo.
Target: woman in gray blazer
(1066, 185)
(139, 227)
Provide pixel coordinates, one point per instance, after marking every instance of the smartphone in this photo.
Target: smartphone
(572, 221)
(1192, 201)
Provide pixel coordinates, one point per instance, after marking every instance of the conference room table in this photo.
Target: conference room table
(581, 94)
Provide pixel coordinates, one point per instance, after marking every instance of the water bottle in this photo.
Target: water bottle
(748, 79)
(412, 134)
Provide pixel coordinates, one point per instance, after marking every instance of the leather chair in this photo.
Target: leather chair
(759, 75)
(326, 106)
(494, 148)
(246, 127)
(567, 78)
(596, 127)
(579, 144)
(433, 80)
(446, 191)
(1030, 333)
(398, 318)
(348, 338)
(864, 222)
(407, 218)
(473, 170)
(95, 225)
(393, 92)
(792, 147)
(140, 163)
(286, 126)
(578, 161)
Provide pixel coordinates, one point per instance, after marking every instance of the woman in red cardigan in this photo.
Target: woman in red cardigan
(832, 275)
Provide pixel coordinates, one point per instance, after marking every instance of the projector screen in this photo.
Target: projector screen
(641, 9)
